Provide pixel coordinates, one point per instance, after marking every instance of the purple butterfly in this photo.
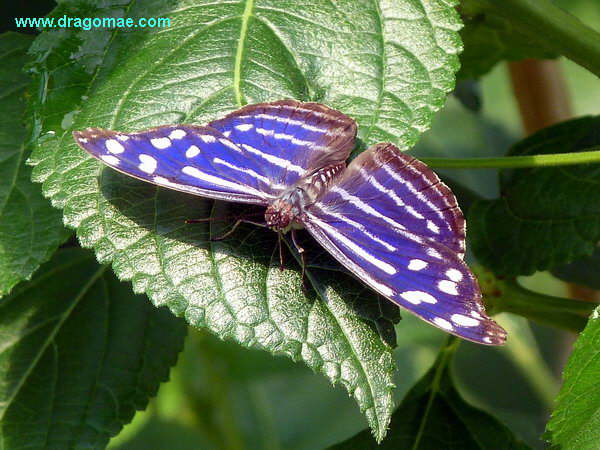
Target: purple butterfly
(386, 217)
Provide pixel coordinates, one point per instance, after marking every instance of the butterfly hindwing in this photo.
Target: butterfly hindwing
(374, 219)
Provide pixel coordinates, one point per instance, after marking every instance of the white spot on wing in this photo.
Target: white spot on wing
(148, 163)
(177, 134)
(454, 275)
(244, 127)
(447, 286)
(417, 264)
(164, 182)
(110, 159)
(265, 132)
(433, 227)
(208, 138)
(414, 212)
(114, 146)
(443, 323)
(161, 143)
(434, 253)
(192, 152)
(122, 137)
(83, 140)
(464, 321)
(417, 297)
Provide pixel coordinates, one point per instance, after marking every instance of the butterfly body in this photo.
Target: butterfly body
(385, 216)
(287, 210)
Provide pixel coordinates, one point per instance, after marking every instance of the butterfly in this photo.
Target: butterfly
(385, 216)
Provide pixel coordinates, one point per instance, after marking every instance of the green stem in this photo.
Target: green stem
(553, 27)
(515, 162)
(441, 364)
(565, 313)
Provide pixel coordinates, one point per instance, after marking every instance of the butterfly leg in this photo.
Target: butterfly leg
(229, 232)
(234, 227)
(302, 254)
(279, 244)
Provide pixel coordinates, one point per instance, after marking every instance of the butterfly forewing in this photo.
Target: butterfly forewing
(376, 219)
(294, 138)
(198, 160)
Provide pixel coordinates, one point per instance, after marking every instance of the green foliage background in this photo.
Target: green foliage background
(82, 349)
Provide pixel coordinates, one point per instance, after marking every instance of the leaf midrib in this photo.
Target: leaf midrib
(82, 292)
(239, 53)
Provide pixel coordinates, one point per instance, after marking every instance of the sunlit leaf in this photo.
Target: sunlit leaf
(388, 64)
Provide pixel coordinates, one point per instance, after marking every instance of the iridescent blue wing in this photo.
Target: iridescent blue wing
(295, 138)
(194, 159)
(391, 221)
(251, 156)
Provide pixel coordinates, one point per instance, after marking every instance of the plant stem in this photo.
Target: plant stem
(559, 312)
(514, 162)
(523, 350)
(541, 92)
(555, 28)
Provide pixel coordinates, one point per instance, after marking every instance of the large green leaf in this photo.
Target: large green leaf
(433, 415)
(545, 217)
(389, 64)
(30, 229)
(575, 422)
(79, 354)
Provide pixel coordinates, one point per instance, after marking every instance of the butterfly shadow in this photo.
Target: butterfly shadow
(163, 214)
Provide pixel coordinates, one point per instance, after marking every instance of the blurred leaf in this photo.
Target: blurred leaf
(433, 415)
(582, 271)
(30, 229)
(79, 355)
(575, 422)
(489, 38)
(220, 392)
(468, 92)
(478, 137)
(387, 64)
(546, 216)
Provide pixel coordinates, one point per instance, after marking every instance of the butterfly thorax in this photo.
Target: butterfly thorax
(286, 210)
